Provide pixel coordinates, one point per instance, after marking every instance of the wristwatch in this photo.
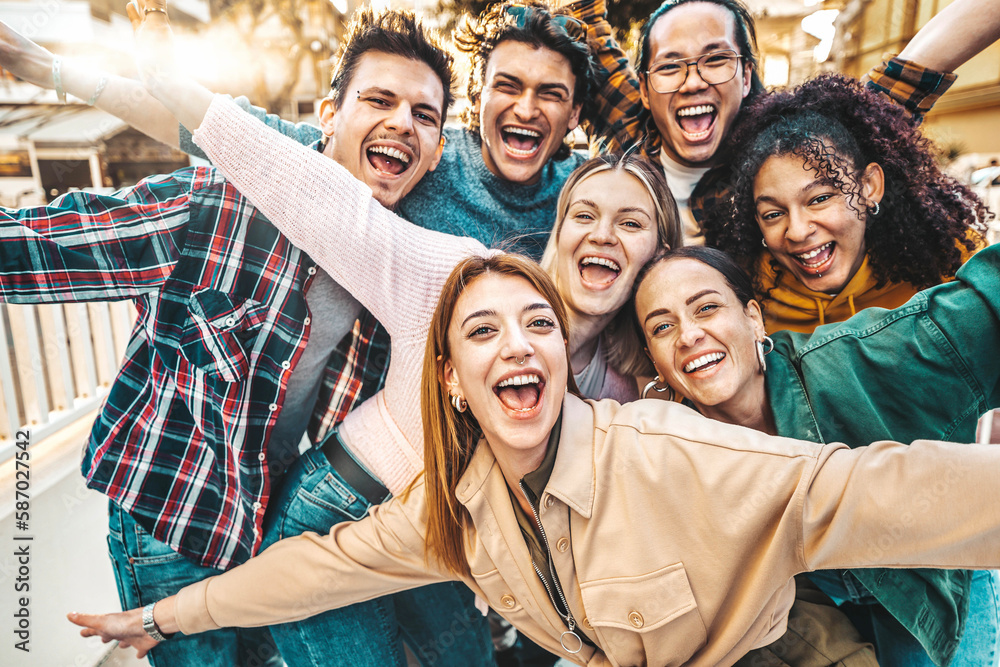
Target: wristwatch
(149, 625)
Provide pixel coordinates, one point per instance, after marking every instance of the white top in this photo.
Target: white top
(682, 181)
(394, 268)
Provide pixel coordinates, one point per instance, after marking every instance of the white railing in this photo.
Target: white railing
(58, 363)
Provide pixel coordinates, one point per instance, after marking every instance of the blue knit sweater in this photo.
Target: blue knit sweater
(462, 196)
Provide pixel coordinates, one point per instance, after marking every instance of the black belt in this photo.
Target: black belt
(359, 479)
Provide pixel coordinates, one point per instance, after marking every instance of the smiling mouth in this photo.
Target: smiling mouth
(520, 141)
(816, 260)
(520, 394)
(696, 122)
(599, 271)
(704, 362)
(387, 160)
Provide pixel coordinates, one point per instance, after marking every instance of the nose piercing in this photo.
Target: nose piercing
(519, 362)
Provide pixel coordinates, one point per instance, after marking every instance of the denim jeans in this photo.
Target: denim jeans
(896, 647)
(439, 623)
(148, 570)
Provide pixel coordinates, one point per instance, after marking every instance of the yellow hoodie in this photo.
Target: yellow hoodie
(793, 306)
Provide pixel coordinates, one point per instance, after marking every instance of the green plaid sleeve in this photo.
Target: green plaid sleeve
(910, 85)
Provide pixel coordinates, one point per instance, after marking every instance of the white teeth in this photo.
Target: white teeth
(806, 256)
(522, 130)
(602, 261)
(703, 360)
(696, 111)
(519, 380)
(391, 152)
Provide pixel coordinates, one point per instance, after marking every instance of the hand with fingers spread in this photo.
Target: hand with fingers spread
(130, 628)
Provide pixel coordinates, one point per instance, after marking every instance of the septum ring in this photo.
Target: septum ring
(520, 362)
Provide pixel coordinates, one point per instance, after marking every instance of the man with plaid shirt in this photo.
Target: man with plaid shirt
(240, 343)
(685, 129)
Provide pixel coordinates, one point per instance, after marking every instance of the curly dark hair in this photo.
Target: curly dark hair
(839, 127)
(478, 37)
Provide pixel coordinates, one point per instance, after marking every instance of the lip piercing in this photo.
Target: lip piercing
(519, 362)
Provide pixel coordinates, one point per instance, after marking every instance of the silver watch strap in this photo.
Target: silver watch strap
(149, 625)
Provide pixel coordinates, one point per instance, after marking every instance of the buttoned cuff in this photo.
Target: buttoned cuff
(914, 87)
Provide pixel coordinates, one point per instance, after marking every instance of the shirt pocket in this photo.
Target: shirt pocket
(219, 333)
(645, 618)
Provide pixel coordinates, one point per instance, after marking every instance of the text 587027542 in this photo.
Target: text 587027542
(22, 542)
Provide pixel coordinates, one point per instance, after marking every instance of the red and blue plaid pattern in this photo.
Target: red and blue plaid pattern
(220, 293)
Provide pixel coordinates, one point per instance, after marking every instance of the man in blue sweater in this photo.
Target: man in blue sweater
(499, 177)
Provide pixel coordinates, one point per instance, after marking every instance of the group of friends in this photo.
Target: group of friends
(387, 375)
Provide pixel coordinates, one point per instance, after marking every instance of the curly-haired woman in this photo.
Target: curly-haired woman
(839, 205)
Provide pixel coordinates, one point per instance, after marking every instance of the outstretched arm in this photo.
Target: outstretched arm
(394, 268)
(922, 72)
(125, 98)
(295, 578)
(960, 31)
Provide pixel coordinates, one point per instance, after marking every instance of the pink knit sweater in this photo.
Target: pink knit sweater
(394, 268)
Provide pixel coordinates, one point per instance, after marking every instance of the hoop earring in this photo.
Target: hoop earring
(874, 210)
(763, 242)
(652, 385)
(761, 352)
(460, 403)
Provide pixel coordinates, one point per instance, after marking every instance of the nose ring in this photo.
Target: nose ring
(519, 362)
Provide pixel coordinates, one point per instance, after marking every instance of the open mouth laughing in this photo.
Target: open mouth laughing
(816, 260)
(696, 122)
(704, 362)
(520, 393)
(388, 160)
(521, 142)
(599, 271)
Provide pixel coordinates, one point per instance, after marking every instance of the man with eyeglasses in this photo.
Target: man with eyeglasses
(696, 68)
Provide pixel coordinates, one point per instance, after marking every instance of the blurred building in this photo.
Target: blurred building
(279, 55)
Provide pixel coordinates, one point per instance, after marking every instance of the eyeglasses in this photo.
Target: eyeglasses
(574, 27)
(713, 68)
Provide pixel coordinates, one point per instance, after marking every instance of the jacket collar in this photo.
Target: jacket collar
(572, 479)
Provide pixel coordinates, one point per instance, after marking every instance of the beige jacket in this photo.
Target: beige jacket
(675, 537)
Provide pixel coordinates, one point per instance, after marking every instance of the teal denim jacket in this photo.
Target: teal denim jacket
(835, 385)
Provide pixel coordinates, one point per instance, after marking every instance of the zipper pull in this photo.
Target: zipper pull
(571, 637)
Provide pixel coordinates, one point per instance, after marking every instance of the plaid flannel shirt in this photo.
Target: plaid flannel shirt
(222, 321)
(619, 121)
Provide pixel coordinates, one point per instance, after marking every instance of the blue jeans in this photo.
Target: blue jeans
(896, 647)
(439, 623)
(148, 570)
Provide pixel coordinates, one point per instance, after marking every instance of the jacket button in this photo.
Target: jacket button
(307, 321)
(311, 271)
(230, 321)
(586, 623)
(549, 500)
(272, 407)
(562, 545)
(508, 601)
(635, 618)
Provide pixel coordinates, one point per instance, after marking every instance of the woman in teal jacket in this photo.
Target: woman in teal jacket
(928, 369)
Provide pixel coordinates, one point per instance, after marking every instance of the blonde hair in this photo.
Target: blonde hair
(623, 348)
(450, 437)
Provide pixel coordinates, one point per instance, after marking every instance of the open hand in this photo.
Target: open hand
(125, 626)
(154, 41)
